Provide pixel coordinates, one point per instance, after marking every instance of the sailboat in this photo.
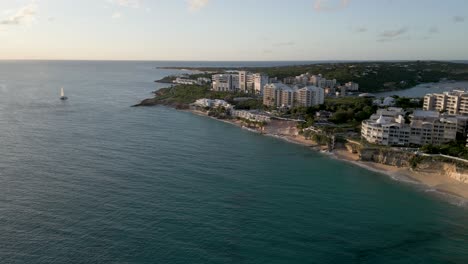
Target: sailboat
(62, 95)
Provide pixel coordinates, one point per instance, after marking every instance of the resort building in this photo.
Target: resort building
(242, 81)
(273, 94)
(309, 96)
(212, 103)
(260, 80)
(252, 115)
(281, 95)
(389, 127)
(186, 80)
(225, 82)
(453, 103)
(182, 80)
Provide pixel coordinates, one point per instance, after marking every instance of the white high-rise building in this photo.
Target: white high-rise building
(260, 80)
(225, 82)
(280, 95)
(310, 96)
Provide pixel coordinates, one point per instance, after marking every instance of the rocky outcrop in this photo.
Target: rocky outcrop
(448, 169)
(386, 156)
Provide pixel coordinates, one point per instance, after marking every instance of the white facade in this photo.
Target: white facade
(454, 102)
(225, 82)
(273, 94)
(250, 115)
(212, 103)
(260, 80)
(280, 95)
(310, 96)
(388, 127)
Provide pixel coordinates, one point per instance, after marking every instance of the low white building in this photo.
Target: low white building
(251, 115)
(389, 127)
(387, 101)
(212, 103)
(182, 80)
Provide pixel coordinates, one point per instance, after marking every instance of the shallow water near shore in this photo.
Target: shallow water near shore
(94, 180)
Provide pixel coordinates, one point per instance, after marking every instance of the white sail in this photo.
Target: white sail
(62, 94)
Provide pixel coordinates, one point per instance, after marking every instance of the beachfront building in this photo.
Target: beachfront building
(389, 127)
(225, 82)
(454, 102)
(252, 115)
(310, 96)
(281, 95)
(182, 80)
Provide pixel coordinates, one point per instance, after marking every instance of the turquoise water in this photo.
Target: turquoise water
(92, 180)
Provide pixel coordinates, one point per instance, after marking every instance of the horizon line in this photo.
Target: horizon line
(330, 60)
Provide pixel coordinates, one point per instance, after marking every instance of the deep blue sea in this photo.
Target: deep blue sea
(93, 180)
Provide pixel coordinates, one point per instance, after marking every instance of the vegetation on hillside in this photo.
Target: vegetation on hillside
(346, 111)
(181, 95)
(371, 76)
(455, 149)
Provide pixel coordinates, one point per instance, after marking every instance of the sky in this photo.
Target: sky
(234, 30)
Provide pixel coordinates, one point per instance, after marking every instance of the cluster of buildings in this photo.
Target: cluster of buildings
(444, 116)
(283, 96)
(252, 115)
(242, 81)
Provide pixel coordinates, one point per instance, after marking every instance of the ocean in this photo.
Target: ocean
(93, 180)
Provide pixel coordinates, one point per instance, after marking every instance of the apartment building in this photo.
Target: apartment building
(454, 102)
(225, 82)
(281, 95)
(260, 80)
(389, 127)
(309, 96)
(273, 94)
(252, 115)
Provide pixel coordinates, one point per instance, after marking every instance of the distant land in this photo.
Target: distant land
(372, 76)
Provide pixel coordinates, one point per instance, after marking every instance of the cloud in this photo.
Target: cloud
(393, 33)
(433, 30)
(116, 15)
(324, 6)
(284, 44)
(24, 15)
(393, 39)
(195, 5)
(458, 19)
(361, 30)
(127, 3)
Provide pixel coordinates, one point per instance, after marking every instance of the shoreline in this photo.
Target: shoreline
(431, 182)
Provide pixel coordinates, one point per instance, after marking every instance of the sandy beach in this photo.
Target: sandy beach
(434, 181)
